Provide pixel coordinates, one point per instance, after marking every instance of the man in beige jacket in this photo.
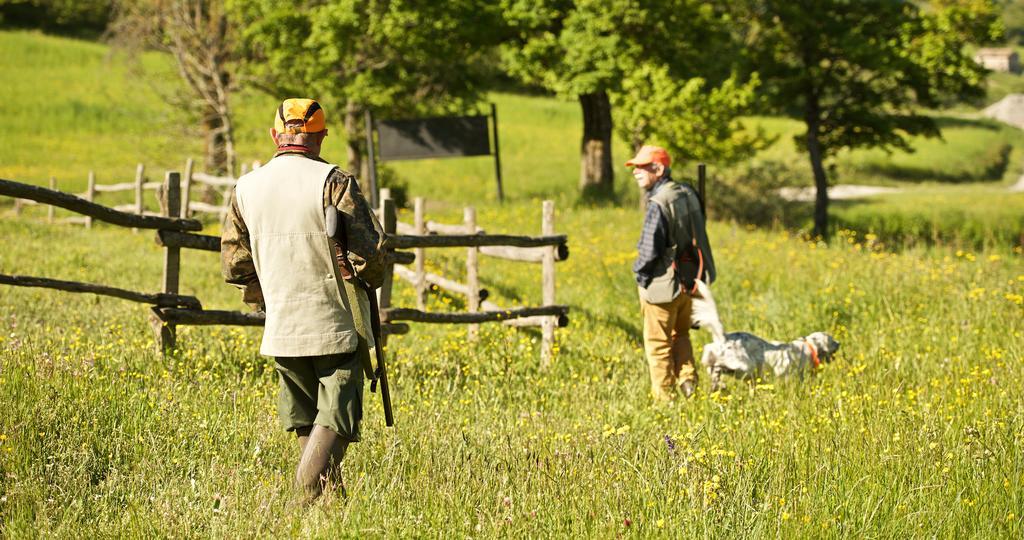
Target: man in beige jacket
(276, 249)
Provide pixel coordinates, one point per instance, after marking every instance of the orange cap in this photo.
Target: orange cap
(650, 154)
(306, 110)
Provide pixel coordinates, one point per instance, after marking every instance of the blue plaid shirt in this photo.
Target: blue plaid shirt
(653, 237)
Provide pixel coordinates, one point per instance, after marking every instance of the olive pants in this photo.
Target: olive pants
(321, 390)
(667, 345)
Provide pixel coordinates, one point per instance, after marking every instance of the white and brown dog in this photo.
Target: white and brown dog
(746, 355)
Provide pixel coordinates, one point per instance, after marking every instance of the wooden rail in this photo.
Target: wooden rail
(215, 181)
(438, 281)
(139, 185)
(93, 210)
(530, 321)
(408, 314)
(222, 187)
(205, 242)
(402, 241)
(433, 227)
(546, 250)
(172, 309)
(525, 254)
(211, 317)
(157, 299)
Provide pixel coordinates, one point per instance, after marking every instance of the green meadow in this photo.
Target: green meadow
(915, 430)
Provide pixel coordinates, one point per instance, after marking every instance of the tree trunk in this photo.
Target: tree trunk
(216, 155)
(596, 177)
(820, 179)
(220, 137)
(354, 134)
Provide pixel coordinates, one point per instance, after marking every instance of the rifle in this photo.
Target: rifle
(701, 178)
(336, 230)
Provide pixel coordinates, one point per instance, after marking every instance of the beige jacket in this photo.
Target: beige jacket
(281, 205)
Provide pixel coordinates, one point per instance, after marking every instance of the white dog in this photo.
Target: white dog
(746, 355)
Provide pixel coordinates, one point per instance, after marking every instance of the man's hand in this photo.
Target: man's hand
(344, 267)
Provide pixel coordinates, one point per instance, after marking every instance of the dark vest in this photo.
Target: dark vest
(680, 205)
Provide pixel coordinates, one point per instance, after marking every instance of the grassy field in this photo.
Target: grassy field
(914, 431)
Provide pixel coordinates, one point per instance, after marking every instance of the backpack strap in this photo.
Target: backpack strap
(693, 239)
(700, 254)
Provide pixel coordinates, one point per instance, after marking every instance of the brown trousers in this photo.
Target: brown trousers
(667, 345)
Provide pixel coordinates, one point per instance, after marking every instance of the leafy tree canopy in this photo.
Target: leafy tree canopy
(665, 66)
(861, 70)
(403, 56)
(689, 118)
(858, 72)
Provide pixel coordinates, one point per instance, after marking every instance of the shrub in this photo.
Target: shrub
(749, 194)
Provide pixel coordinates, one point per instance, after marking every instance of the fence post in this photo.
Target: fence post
(225, 198)
(186, 190)
(167, 333)
(390, 223)
(548, 263)
(385, 193)
(49, 209)
(472, 279)
(90, 194)
(421, 279)
(139, 176)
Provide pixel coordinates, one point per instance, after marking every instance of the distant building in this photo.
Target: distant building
(1003, 59)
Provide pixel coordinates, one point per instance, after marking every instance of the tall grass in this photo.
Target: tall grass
(965, 218)
(915, 430)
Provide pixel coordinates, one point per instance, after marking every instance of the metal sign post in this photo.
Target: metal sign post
(372, 165)
(701, 179)
(497, 153)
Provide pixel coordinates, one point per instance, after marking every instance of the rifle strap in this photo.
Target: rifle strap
(696, 247)
(356, 300)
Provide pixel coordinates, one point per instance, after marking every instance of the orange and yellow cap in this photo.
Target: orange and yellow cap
(650, 154)
(308, 111)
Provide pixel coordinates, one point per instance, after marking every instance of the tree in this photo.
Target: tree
(400, 56)
(198, 35)
(605, 52)
(857, 72)
(576, 50)
(1013, 18)
(691, 120)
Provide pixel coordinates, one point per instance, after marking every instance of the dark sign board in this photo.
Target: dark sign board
(453, 136)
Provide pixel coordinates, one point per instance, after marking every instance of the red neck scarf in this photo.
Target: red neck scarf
(292, 148)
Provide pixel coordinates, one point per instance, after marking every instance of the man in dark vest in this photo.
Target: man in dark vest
(672, 252)
(275, 247)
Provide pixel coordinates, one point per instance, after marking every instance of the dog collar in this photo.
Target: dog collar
(814, 353)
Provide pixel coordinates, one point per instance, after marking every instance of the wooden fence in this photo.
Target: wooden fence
(173, 233)
(215, 186)
(546, 250)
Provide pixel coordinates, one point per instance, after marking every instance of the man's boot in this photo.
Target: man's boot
(302, 435)
(320, 461)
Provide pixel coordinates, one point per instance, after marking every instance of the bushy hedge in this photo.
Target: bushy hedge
(75, 17)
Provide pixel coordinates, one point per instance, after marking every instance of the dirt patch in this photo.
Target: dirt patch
(836, 193)
(1019, 186)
